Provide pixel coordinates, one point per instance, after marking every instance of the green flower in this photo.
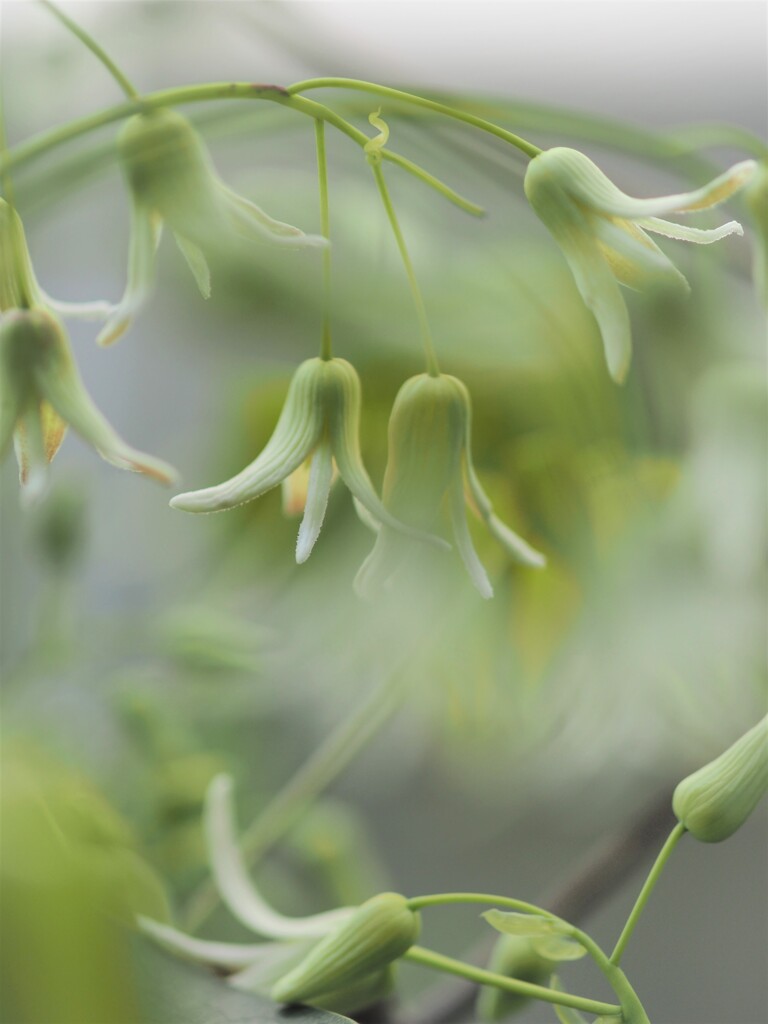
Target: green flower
(319, 424)
(41, 393)
(429, 474)
(603, 235)
(172, 181)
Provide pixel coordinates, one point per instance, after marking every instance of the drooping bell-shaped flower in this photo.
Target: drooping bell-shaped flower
(19, 287)
(172, 181)
(41, 393)
(319, 424)
(603, 234)
(430, 475)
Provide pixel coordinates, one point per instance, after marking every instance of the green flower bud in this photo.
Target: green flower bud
(430, 475)
(717, 799)
(379, 932)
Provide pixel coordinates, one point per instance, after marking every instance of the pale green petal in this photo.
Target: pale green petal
(253, 222)
(293, 440)
(234, 884)
(97, 310)
(29, 443)
(145, 235)
(587, 184)
(196, 262)
(60, 383)
(513, 544)
(634, 259)
(11, 404)
(219, 954)
(601, 296)
(464, 544)
(318, 492)
(383, 562)
(702, 236)
(274, 960)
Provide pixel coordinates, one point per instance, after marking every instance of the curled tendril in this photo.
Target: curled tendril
(375, 145)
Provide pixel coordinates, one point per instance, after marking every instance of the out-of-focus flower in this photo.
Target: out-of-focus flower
(603, 235)
(172, 181)
(430, 472)
(19, 287)
(320, 422)
(41, 393)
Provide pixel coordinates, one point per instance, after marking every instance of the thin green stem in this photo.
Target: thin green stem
(316, 774)
(429, 349)
(326, 348)
(41, 144)
(653, 876)
(420, 101)
(438, 962)
(87, 40)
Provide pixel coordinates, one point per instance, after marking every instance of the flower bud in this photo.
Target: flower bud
(379, 932)
(717, 799)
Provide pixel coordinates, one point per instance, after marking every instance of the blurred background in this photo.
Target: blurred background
(145, 650)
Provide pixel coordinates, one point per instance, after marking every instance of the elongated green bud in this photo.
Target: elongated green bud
(717, 799)
(379, 932)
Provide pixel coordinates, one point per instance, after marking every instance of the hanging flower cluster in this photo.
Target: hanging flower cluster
(430, 478)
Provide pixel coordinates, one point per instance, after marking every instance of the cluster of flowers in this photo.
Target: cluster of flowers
(602, 233)
(344, 959)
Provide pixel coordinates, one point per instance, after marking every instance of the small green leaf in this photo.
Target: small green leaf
(528, 925)
(559, 947)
